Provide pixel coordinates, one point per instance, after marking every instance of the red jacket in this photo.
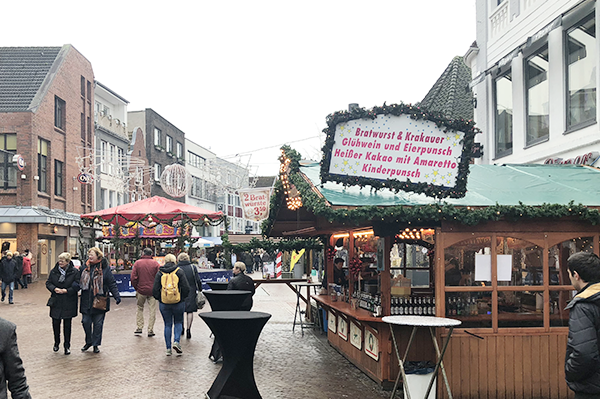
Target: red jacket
(26, 266)
(143, 273)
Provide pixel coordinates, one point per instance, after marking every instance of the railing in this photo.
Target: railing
(499, 20)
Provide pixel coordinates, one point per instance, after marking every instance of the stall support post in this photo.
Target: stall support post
(385, 278)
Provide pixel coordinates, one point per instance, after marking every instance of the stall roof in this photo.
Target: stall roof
(488, 185)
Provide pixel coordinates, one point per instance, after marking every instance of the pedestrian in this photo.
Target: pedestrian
(257, 261)
(248, 261)
(170, 289)
(96, 282)
(27, 267)
(63, 284)
(13, 372)
(191, 274)
(582, 360)
(8, 273)
(142, 279)
(19, 260)
(243, 283)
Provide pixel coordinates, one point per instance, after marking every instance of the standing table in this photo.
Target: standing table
(298, 312)
(237, 333)
(422, 321)
(217, 285)
(227, 300)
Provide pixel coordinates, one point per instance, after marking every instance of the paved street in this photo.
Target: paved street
(286, 365)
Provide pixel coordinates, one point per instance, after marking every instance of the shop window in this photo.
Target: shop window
(504, 115)
(520, 309)
(473, 308)
(43, 165)
(8, 168)
(538, 97)
(518, 262)
(58, 178)
(462, 260)
(581, 73)
(412, 261)
(559, 316)
(558, 255)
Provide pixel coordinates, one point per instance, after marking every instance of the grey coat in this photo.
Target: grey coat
(11, 365)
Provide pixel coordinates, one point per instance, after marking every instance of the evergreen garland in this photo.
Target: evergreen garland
(437, 191)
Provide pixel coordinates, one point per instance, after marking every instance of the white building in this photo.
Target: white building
(535, 73)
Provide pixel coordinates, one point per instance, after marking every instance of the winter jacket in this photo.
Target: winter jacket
(108, 285)
(243, 283)
(63, 306)
(184, 287)
(11, 365)
(143, 274)
(191, 274)
(26, 266)
(19, 260)
(8, 270)
(582, 361)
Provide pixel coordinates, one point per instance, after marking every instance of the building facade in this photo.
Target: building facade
(535, 74)
(46, 115)
(112, 147)
(165, 145)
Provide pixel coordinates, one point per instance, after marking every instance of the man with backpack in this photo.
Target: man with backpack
(170, 289)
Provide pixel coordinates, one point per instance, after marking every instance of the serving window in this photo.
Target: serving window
(501, 281)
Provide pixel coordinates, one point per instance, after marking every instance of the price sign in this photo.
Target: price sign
(255, 203)
(85, 178)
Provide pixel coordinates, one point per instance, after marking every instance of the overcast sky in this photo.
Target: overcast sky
(244, 77)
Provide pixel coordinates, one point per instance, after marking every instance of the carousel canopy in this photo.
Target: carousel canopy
(159, 208)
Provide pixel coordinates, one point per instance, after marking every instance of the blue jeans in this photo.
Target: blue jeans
(172, 313)
(11, 287)
(92, 325)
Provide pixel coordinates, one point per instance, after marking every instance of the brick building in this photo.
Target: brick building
(46, 122)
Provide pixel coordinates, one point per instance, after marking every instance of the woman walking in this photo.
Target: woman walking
(191, 274)
(96, 282)
(27, 255)
(63, 283)
(170, 289)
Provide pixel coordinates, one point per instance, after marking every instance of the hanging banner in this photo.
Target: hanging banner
(295, 258)
(136, 230)
(255, 203)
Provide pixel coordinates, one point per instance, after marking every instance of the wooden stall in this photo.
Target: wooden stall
(494, 259)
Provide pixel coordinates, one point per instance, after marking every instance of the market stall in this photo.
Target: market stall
(493, 258)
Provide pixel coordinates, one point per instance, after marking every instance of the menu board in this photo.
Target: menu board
(343, 328)
(356, 335)
(371, 344)
(332, 322)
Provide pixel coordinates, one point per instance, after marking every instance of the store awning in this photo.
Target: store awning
(29, 214)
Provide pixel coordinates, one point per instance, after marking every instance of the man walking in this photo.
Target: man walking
(12, 373)
(582, 361)
(8, 273)
(142, 279)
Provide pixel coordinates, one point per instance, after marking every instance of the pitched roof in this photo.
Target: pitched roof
(23, 71)
(451, 95)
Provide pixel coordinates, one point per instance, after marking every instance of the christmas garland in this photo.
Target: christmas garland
(437, 191)
(431, 214)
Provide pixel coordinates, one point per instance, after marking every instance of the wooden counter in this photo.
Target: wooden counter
(374, 355)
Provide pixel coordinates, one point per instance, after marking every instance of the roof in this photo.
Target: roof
(487, 185)
(264, 181)
(27, 214)
(23, 71)
(451, 95)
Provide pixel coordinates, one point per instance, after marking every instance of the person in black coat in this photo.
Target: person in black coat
(8, 273)
(191, 274)
(582, 359)
(63, 283)
(96, 280)
(19, 260)
(12, 372)
(243, 283)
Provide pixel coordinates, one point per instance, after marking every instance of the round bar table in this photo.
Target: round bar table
(217, 285)
(226, 300)
(430, 322)
(237, 333)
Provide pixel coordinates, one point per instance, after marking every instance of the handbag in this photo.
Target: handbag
(200, 300)
(99, 302)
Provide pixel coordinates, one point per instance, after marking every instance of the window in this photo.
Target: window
(538, 97)
(103, 161)
(169, 144)
(111, 163)
(157, 136)
(581, 73)
(196, 190)
(195, 160)
(8, 168)
(82, 86)
(504, 115)
(179, 150)
(102, 198)
(42, 165)
(58, 178)
(120, 160)
(111, 199)
(157, 171)
(59, 113)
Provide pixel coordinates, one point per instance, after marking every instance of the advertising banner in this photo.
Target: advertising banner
(255, 203)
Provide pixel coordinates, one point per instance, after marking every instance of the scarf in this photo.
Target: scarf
(63, 273)
(96, 277)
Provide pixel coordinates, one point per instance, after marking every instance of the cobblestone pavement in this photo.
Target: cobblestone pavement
(286, 365)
